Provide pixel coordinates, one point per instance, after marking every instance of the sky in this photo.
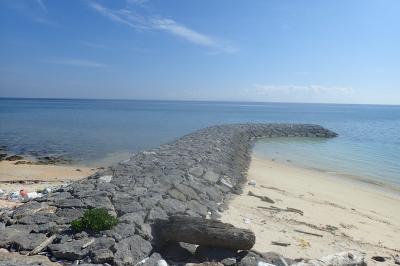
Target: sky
(343, 51)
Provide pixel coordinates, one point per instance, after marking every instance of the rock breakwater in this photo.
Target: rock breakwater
(195, 175)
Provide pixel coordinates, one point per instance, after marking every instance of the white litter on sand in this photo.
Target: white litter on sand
(252, 183)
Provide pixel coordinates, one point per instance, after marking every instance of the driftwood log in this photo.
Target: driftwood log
(204, 232)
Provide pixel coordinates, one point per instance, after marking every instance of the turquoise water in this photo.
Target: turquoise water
(91, 130)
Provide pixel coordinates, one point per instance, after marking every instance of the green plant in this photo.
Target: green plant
(94, 220)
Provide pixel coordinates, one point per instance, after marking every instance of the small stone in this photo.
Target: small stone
(131, 250)
(102, 256)
(211, 177)
(229, 261)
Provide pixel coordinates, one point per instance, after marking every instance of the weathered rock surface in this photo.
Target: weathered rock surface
(194, 175)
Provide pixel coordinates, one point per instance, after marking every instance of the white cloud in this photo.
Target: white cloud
(300, 93)
(150, 22)
(76, 62)
(295, 89)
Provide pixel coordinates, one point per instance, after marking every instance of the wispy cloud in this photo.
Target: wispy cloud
(42, 5)
(300, 93)
(138, 21)
(297, 89)
(75, 62)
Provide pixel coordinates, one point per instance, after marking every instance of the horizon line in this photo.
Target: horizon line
(187, 100)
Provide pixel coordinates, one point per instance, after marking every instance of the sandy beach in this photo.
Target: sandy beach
(316, 213)
(31, 177)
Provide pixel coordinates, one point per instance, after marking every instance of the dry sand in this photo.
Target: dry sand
(347, 213)
(14, 177)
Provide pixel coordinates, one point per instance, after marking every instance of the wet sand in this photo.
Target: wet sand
(340, 213)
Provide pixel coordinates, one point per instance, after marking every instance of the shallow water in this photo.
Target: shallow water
(92, 131)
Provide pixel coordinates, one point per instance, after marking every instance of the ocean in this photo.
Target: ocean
(96, 132)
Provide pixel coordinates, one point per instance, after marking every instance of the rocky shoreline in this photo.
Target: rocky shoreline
(195, 175)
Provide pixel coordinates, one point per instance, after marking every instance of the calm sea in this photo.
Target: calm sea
(93, 131)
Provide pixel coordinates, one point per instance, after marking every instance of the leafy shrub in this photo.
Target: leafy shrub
(94, 220)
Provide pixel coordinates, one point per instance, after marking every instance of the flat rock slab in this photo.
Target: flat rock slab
(193, 176)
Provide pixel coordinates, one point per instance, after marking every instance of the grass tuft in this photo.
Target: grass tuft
(94, 220)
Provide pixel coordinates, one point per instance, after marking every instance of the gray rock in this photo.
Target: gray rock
(68, 203)
(124, 205)
(172, 206)
(155, 213)
(131, 250)
(175, 252)
(229, 261)
(196, 171)
(211, 177)
(176, 194)
(69, 250)
(68, 215)
(20, 239)
(197, 207)
(102, 256)
(133, 218)
(38, 218)
(188, 191)
(121, 231)
(205, 253)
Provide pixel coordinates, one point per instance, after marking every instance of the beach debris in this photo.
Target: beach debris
(226, 182)
(106, 178)
(2, 193)
(34, 195)
(307, 233)
(346, 258)
(252, 183)
(304, 243)
(282, 261)
(201, 231)
(396, 259)
(280, 244)
(42, 245)
(246, 220)
(14, 196)
(329, 228)
(378, 258)
(262, 263)
(273, 208)
(274, 188)
(263, 198)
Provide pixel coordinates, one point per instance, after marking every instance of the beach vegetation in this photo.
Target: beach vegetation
(94, 220)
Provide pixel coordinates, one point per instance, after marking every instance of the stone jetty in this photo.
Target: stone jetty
(195, 175)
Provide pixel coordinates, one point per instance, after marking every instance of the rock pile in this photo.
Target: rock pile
(195, 175)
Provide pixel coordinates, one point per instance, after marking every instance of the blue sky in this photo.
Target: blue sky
(343, 51)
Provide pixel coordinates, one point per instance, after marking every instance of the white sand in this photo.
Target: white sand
(349, 214)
